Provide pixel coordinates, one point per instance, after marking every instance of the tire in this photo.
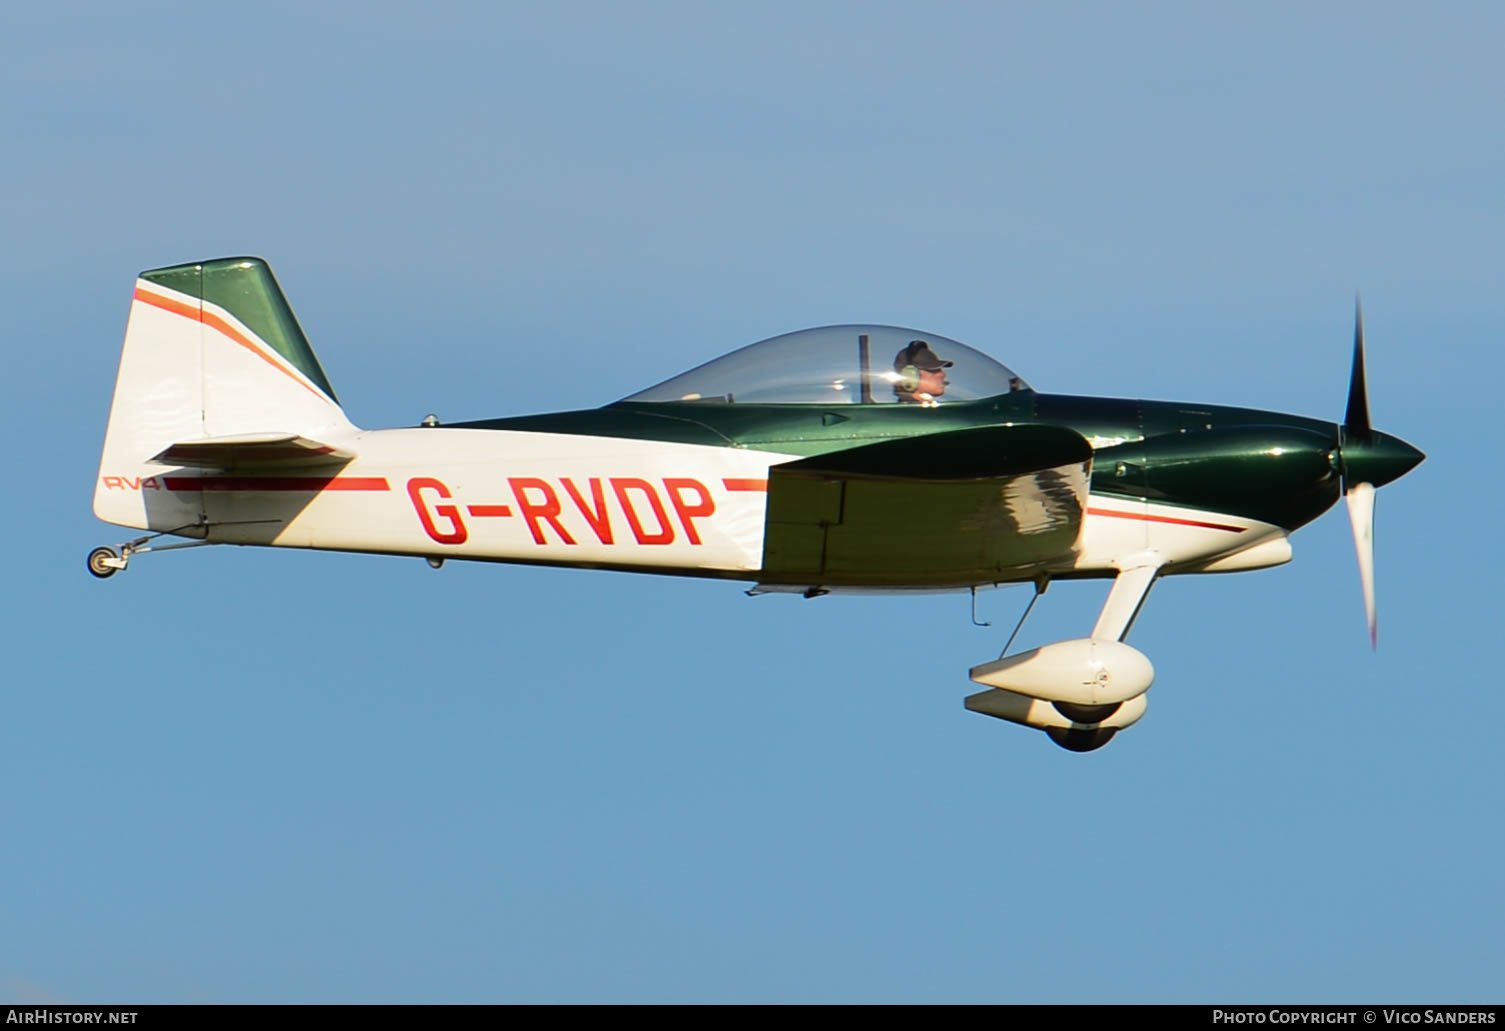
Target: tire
(97, 564)
(1082, 740)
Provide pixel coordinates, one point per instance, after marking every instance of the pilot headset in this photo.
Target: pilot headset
(909, 374)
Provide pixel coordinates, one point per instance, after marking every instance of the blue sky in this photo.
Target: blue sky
(255, 776)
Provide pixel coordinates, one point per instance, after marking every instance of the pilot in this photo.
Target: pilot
(919, 376)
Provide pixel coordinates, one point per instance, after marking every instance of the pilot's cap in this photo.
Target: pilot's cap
(919, 354)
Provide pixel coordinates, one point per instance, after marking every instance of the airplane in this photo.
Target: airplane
(839, 459)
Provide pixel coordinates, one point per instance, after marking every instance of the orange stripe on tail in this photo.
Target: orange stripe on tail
(212, 320)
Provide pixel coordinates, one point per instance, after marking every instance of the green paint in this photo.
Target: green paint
(937, 509)
(246, 288)
(1207, 457)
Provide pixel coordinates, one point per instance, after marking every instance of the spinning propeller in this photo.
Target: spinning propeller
(1367, 459)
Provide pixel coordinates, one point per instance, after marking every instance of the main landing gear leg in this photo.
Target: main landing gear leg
(1080, 692)
(1130, 588)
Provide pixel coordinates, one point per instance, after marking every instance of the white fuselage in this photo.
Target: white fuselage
(565, 499)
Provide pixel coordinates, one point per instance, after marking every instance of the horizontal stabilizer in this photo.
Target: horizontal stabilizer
(252, 451)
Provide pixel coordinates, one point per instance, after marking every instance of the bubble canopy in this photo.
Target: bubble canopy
(835, 365)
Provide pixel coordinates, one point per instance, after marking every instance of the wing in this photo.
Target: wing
(941, 510)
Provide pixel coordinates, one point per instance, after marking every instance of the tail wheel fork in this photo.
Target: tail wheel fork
(105, 562)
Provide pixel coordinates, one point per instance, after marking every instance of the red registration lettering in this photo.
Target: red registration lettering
(665, 532)
(598, 517)
(684, 509)
(456, 534)
(546, 510)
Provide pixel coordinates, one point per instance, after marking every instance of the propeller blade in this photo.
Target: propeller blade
(1360, 499)
(1356, 418)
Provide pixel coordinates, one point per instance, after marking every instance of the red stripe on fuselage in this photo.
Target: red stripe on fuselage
(735, 484)
(1145, 517)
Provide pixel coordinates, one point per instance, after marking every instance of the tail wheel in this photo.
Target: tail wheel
(100, 562)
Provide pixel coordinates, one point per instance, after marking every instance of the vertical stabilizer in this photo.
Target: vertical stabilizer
(212, 349)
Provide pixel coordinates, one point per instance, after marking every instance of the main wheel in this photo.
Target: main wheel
(98, 565)
(1082, 740)
(1086, 713)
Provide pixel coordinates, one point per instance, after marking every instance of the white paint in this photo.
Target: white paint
(617, 481)
(1042, 715)
(1084, 671)
(182, 381)
(1360, 498)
